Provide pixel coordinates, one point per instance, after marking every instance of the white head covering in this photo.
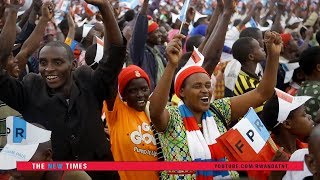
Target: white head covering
(288, 103)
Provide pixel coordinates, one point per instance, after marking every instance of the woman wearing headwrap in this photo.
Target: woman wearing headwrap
(131, 134)
(189, 130)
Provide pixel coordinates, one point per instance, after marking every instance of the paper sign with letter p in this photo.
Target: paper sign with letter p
(21, 132)
(253, 130)
(240, 147)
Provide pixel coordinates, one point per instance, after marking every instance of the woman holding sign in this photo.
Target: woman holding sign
(189, 130)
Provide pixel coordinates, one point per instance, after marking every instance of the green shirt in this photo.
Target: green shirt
(311, 88)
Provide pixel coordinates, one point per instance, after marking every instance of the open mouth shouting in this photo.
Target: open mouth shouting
(205, 99)
(141, 103)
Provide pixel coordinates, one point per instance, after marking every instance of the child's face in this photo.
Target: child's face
(258, 54)
(300, 123)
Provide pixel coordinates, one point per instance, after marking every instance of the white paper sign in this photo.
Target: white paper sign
(289, 68)
(196, 58)
(86, 29)
(99, 52)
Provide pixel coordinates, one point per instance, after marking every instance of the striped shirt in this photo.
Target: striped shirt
(246, 83)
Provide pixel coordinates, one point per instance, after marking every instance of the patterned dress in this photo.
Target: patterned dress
(174, 141)
(311, 88)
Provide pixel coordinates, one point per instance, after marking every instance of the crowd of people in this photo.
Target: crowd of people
(145, 81)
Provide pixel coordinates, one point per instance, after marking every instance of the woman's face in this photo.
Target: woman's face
(197, 92)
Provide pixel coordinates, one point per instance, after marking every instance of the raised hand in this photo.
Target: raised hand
(174, 49)
(13, 4)
(190, 14)
(230, 6)
(71, 23)
(37, 4)
(47, 10)
(273, 43)
(220, 5)
(259, 6)
(309, 32)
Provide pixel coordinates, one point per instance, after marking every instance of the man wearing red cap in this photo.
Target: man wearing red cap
(143, 50)
(289, 53)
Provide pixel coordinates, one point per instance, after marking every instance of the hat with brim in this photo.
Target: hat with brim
(294, 20)
(288, 103)
(13, 153)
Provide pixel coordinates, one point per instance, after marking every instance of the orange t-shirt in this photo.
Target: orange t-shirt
(131, 139)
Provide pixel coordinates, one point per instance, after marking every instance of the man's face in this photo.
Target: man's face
(292, 50)
(154, 37)
(97, 30)
(54, 66)
(164, 34)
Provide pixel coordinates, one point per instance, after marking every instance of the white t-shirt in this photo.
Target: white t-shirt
(298, 155)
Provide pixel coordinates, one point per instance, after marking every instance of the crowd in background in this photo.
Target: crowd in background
(161, 80)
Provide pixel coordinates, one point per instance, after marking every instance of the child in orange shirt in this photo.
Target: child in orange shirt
(131, 134)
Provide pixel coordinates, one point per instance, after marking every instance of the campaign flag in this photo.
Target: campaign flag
(99, 52)
(65, 6)
(21, 132)
(86, 29)
(183, 12)
(289, 69)
(196, 58)
(248, 136)
(90, 9)
(72, 43)
(247, 141)
(253, 130)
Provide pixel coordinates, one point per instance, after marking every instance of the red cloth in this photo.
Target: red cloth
(129, 73)
(286, 38)
(152, 26)
(184, 74)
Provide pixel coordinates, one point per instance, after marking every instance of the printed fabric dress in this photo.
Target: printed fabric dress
(174, 141)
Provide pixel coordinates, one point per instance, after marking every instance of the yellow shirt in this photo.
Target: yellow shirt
(131, 139)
